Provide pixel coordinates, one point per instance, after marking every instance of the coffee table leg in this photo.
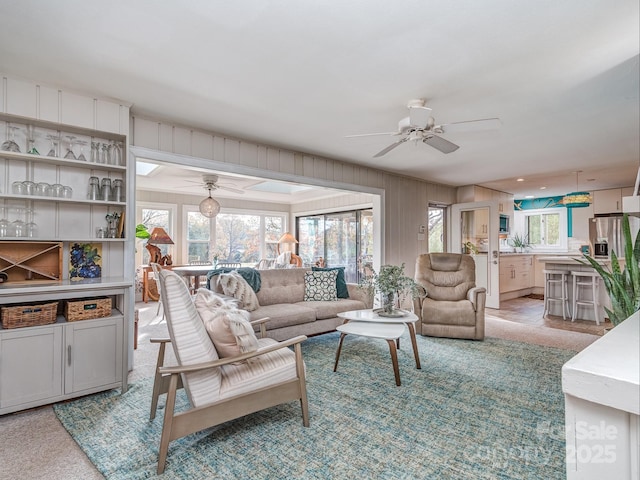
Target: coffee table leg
(394, 360)
(335, 366)
(412, 334)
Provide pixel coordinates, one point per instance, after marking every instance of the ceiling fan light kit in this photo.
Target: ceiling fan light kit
(420, 125)
(209, 207)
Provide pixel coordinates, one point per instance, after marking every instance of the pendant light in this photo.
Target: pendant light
(209, 207)
(577, 199)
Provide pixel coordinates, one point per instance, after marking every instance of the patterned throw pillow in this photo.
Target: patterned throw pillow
(320, 286)
(341, 284)
(234, 285)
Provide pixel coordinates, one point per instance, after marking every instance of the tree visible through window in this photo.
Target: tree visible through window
(436, 228)
(238, 237)
(543, 230)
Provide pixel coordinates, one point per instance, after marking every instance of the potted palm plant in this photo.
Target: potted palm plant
(622, 284)
(390, 283)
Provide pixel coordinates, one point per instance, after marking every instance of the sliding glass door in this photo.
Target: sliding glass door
(343, 239)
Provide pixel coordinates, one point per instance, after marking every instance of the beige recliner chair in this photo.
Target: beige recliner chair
(454, 306)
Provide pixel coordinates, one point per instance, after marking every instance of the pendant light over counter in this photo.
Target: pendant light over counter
(577, 199)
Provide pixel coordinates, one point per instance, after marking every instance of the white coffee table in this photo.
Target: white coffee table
(367, 323)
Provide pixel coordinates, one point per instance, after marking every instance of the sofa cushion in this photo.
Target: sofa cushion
(284, 314)
(320, 286)
(281, 286)
(332, 308)
(234, 285)
(341, 283)
(228, 326)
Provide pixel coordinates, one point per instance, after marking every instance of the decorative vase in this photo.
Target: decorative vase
(388, 301)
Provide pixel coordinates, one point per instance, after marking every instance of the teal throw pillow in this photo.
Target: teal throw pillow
(341, 284)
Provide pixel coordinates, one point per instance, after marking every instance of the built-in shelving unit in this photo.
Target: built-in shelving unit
(42, 364)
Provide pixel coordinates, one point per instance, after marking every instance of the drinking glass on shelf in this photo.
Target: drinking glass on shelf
(70, 155)
(31, 140)
(55, 140)
(104, 154)
(94, 188)
(95, 152)
(18, 188)
(18, 227)
(29, 187)
(31, 229)
(4, 223)
(81, 156)
(43, 189)
(56, 190)
(10, 145)
(67, 192)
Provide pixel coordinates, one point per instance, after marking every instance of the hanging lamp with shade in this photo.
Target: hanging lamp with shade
(577, 199)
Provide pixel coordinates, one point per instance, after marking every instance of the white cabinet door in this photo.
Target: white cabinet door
(607, 201)
(93, 354)
(30, 366)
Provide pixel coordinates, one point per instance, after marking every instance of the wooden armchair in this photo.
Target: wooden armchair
(219, 389)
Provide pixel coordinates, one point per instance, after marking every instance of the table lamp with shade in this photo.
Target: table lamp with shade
(159, 236)
(287, 242)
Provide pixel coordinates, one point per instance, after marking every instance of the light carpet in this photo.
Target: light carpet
(482, 410)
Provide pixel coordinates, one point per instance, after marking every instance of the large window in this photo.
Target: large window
(343, 239)
(232, 236)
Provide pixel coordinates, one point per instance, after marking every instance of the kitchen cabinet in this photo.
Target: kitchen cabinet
(516, 272)
(610, 201)
(50, 363)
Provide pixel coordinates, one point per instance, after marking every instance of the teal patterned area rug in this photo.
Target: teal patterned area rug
(476, 410)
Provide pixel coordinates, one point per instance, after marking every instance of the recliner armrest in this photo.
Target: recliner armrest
(473, 296)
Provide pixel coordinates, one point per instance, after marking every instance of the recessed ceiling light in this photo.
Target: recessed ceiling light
(529, 196)
(543, 188)
(520, 180)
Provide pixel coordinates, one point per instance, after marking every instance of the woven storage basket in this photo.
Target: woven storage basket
(18, 316)
(87, 308)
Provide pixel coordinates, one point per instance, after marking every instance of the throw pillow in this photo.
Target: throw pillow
(234, 285)
(228, 326)
(341, 284)
(319, 286)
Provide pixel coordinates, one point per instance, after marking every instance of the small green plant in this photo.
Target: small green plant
(623, 285)
(519, 241)
(390, 281)
(142, 231)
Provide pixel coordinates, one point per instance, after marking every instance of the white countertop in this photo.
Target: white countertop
(607, 372)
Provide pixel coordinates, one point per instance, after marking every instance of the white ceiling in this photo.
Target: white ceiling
(563, 76)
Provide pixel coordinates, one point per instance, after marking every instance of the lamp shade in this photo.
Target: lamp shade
(209, 207)
(159, 236)
(287, 238)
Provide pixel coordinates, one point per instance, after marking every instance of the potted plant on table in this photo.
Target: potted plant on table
(390, 283)
(622, 284)
(519, 242)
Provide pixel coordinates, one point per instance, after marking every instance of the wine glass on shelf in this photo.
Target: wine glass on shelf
(81, 156)
(54, 139)
(30, 228)
(31, 140)
(70, 155)
(10, 145)
(5, 225)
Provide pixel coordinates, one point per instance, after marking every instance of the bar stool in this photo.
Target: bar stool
(586, 279)
(556, 278)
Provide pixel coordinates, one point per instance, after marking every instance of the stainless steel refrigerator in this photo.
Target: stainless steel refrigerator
(605, 235)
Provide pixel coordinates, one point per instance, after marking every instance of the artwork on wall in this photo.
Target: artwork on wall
(85, 261)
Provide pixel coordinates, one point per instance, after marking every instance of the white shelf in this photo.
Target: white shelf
(61, 161)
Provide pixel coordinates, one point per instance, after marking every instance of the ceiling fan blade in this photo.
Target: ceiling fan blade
(439, 143)
(470, 125)
(371, 134)
(419, 116)
(390, 147)
(230, 189)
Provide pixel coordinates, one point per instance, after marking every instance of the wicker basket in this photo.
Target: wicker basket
(87, 308)
(18, 316)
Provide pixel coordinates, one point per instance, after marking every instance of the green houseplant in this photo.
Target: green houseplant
(519, 242)
(623, 285)
(390, 282)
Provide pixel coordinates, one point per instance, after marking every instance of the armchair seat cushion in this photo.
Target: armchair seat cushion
(262, 371)
(449, 312)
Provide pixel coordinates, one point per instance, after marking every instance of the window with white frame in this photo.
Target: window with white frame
(153, 215)
(235, 236)
(545, 228)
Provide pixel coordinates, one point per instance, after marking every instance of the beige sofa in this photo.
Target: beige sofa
(281, 298)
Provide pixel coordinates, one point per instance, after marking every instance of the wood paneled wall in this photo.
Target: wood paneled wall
(405, 199)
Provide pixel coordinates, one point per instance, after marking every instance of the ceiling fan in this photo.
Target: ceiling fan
(209, 207)
(421, 126)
